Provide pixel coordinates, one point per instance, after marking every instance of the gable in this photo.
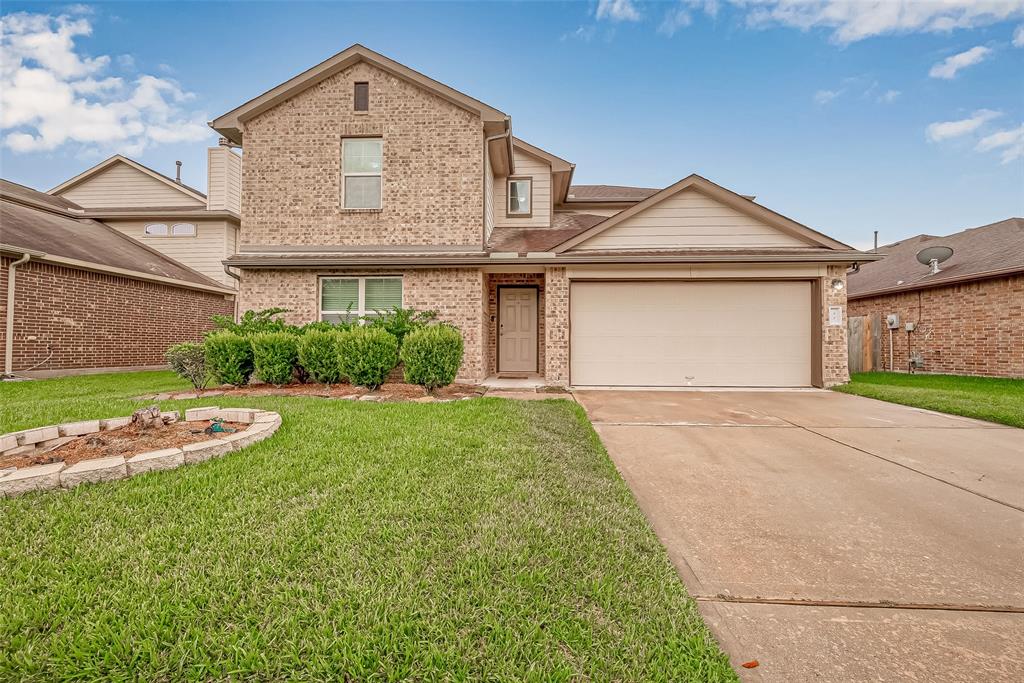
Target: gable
(690, 220)
(121, 185)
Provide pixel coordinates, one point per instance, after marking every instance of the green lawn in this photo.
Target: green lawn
(984, 398)
(474, 540)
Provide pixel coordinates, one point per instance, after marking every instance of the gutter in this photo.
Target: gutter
(9, 336)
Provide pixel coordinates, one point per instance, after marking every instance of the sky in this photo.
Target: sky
(847, 115)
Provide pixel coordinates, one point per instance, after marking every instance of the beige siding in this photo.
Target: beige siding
(488, 196)
(224, 180)
(526, 166)
(203, 253)
(122, 185)
(689, 219)
(230, 239)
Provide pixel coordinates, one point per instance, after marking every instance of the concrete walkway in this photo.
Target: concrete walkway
(833, 537)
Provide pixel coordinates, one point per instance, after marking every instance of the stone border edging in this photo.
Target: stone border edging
(262, 424)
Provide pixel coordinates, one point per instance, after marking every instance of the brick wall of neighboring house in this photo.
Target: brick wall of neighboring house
(496, 280)
(432, 167)
(457, 294)
(974, 328)
(556, 326)
(834, 353)
(97, 320)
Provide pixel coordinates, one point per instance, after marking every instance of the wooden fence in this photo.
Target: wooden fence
(864, 342)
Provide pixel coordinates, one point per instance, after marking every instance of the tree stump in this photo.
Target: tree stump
(148, 418)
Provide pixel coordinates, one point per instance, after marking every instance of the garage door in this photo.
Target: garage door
(690, 333)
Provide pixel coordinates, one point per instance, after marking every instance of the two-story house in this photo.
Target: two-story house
(196, 229)
(366, 184)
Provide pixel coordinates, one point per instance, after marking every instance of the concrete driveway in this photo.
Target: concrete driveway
(833, 537)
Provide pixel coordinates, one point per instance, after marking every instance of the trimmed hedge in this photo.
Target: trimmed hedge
(367, 355)
(432, 356)
(229, 358)
(274, 356)
(319, 355)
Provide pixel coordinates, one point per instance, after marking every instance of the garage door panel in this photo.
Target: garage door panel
(690, 333)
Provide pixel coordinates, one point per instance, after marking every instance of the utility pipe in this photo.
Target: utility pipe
(9, 338)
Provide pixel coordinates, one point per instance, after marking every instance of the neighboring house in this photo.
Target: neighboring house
(967, 319)
(199, 230)
(366, 184)
(86, 296)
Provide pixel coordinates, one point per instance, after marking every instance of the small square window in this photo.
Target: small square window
(519, 196)
(362, 97)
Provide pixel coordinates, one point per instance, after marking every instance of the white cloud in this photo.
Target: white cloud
(854, 20)
(1010, 142)
(674, 19)
(617, 10)
(1018, 36)
(51, 94)
(949, 67)
(889, 96)
(945, 130)
(825, 96)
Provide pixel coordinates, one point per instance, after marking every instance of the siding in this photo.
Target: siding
(488, 195)
(121, 185)
(540, 171)
(687, 220)
(224, 181)
(203, 253)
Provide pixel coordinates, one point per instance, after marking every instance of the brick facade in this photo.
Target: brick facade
(496, 280)
(556, 326)
(97, 320)
(835, 368)
(432, 189)
(974, 328)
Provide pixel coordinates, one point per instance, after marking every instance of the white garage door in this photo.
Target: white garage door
(690, 334)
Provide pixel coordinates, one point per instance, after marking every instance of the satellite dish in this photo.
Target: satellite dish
(933, 256)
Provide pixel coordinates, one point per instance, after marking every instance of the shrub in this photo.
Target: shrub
(402, 321)
(229, 357)
(432, 356)
(188, 361)
(319, 355)
(254, 322)
(274, 355)
(367, 355)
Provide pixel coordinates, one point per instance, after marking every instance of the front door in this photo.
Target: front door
(517, 329)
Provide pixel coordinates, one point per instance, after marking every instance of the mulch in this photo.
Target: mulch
(126, 441)
(390, 392)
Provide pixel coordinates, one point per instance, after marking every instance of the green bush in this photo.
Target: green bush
(319, 355)
(367, 355)
(254, 322)
(274, 354)
(432, 356)
(188, 361)
(229, 357)
(401, 321)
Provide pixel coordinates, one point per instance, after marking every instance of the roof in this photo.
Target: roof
(978, 253)
(119, 159)
(37, 222)
(230, 124)
(609, 193)
(523, 240)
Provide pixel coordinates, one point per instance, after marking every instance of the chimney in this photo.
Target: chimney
(223, 179)
(177, 173)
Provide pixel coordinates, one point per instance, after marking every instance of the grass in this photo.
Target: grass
(474, 540)
(984, 398)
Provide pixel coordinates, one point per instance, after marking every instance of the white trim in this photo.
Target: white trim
(360, 309)
(362, 174)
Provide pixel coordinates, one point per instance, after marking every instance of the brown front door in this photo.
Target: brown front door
(517, 329)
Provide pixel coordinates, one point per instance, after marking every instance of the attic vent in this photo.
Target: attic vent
(362, 97)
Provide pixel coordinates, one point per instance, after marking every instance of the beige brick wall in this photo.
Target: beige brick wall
(556, 326)
(432, 191)
(834, 358)
(457, 294)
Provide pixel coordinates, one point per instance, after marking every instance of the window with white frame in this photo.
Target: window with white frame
(156, 230)
(361, 165)
(183, 230)
(347, 299)
(519, 196)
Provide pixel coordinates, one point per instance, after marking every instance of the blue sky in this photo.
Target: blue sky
(848, 116)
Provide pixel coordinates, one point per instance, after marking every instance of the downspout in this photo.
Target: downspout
(9, 337)
(238, 279)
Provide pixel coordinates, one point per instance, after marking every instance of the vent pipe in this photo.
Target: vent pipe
(876, 242)
(177, 174)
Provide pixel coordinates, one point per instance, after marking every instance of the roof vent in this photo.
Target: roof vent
(933, 256)
(177, 174)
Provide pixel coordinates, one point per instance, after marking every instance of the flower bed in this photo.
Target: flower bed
(388, 392)
(66, 455)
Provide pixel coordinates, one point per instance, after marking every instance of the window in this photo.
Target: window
(362, 97)
(183, 230)
(519, 196)
(156, 230)
(361, 161)
(347, 299)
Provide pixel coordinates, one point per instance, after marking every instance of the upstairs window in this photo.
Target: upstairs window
(347, 299)
(183, 230)
(156, 230)
(361, 164)
(519, 191)
(362, 97)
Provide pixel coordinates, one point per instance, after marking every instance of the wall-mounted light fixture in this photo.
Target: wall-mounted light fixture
(837, 284)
